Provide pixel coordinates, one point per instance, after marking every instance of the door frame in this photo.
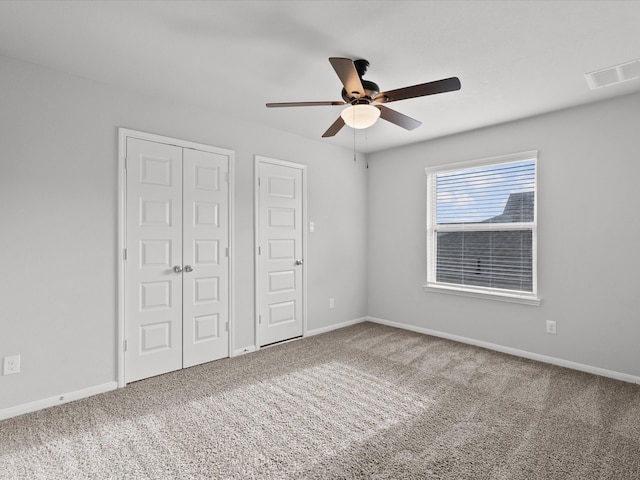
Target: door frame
(258, 159)
(123, 135)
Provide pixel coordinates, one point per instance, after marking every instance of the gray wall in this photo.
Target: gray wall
(588, 237)
(58, 217)
(58, 211)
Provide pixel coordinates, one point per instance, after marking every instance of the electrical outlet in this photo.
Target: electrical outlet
(11, 365)
(551, 327)
(332, 303)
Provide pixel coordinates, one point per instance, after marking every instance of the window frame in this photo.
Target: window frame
(515, 296)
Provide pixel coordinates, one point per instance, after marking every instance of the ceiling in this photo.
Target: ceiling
(514, 58)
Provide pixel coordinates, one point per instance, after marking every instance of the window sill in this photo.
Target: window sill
(468, 292)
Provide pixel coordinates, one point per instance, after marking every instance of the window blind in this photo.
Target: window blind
(483, 226)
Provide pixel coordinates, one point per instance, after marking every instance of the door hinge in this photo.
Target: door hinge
(125, 162)
(260, 319)
(259, 250)
(226, 251)
(124, 253)
(124, 346)
(226, 326)
(258, 181)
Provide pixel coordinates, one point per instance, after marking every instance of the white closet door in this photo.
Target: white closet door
(177, 266)
(205, 254)
(153, 289)
(280, 260)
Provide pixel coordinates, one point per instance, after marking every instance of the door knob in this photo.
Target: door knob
(188, 268)
(177, 269)
(299, 261)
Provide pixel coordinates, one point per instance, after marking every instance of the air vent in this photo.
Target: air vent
(613, 75)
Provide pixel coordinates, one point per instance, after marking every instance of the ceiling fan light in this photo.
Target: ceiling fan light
(360, 116)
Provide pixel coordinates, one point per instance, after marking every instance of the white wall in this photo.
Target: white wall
(58, 217)
(588, 240)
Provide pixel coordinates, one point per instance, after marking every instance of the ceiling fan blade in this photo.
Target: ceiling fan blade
(334, 128)
(302, 104)
(398, 118)
(430, 88)
(348, 75)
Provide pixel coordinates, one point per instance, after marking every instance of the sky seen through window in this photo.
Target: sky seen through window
(477, 195)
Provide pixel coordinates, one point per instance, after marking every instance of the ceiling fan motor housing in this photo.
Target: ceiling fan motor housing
(370, 91)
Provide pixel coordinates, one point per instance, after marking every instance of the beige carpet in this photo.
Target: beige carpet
(366, 401)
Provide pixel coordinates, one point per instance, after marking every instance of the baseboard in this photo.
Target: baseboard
(106, 387)
(308, 333)
(336, 326)
(513, 351)
(57, 400)
(244, 350)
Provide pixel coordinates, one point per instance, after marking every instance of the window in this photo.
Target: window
(481, 228)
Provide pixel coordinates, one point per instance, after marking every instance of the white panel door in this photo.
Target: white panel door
(177, 265)
(205, 254)
(153, 289)
(280, 253)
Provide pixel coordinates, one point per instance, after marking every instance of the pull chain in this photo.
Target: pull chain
(366, 148)
(354, 140)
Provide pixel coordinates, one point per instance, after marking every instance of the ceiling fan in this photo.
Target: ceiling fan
(364, 97)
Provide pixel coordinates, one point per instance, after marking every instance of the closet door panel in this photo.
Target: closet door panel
(153, 306)
(205, 248)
